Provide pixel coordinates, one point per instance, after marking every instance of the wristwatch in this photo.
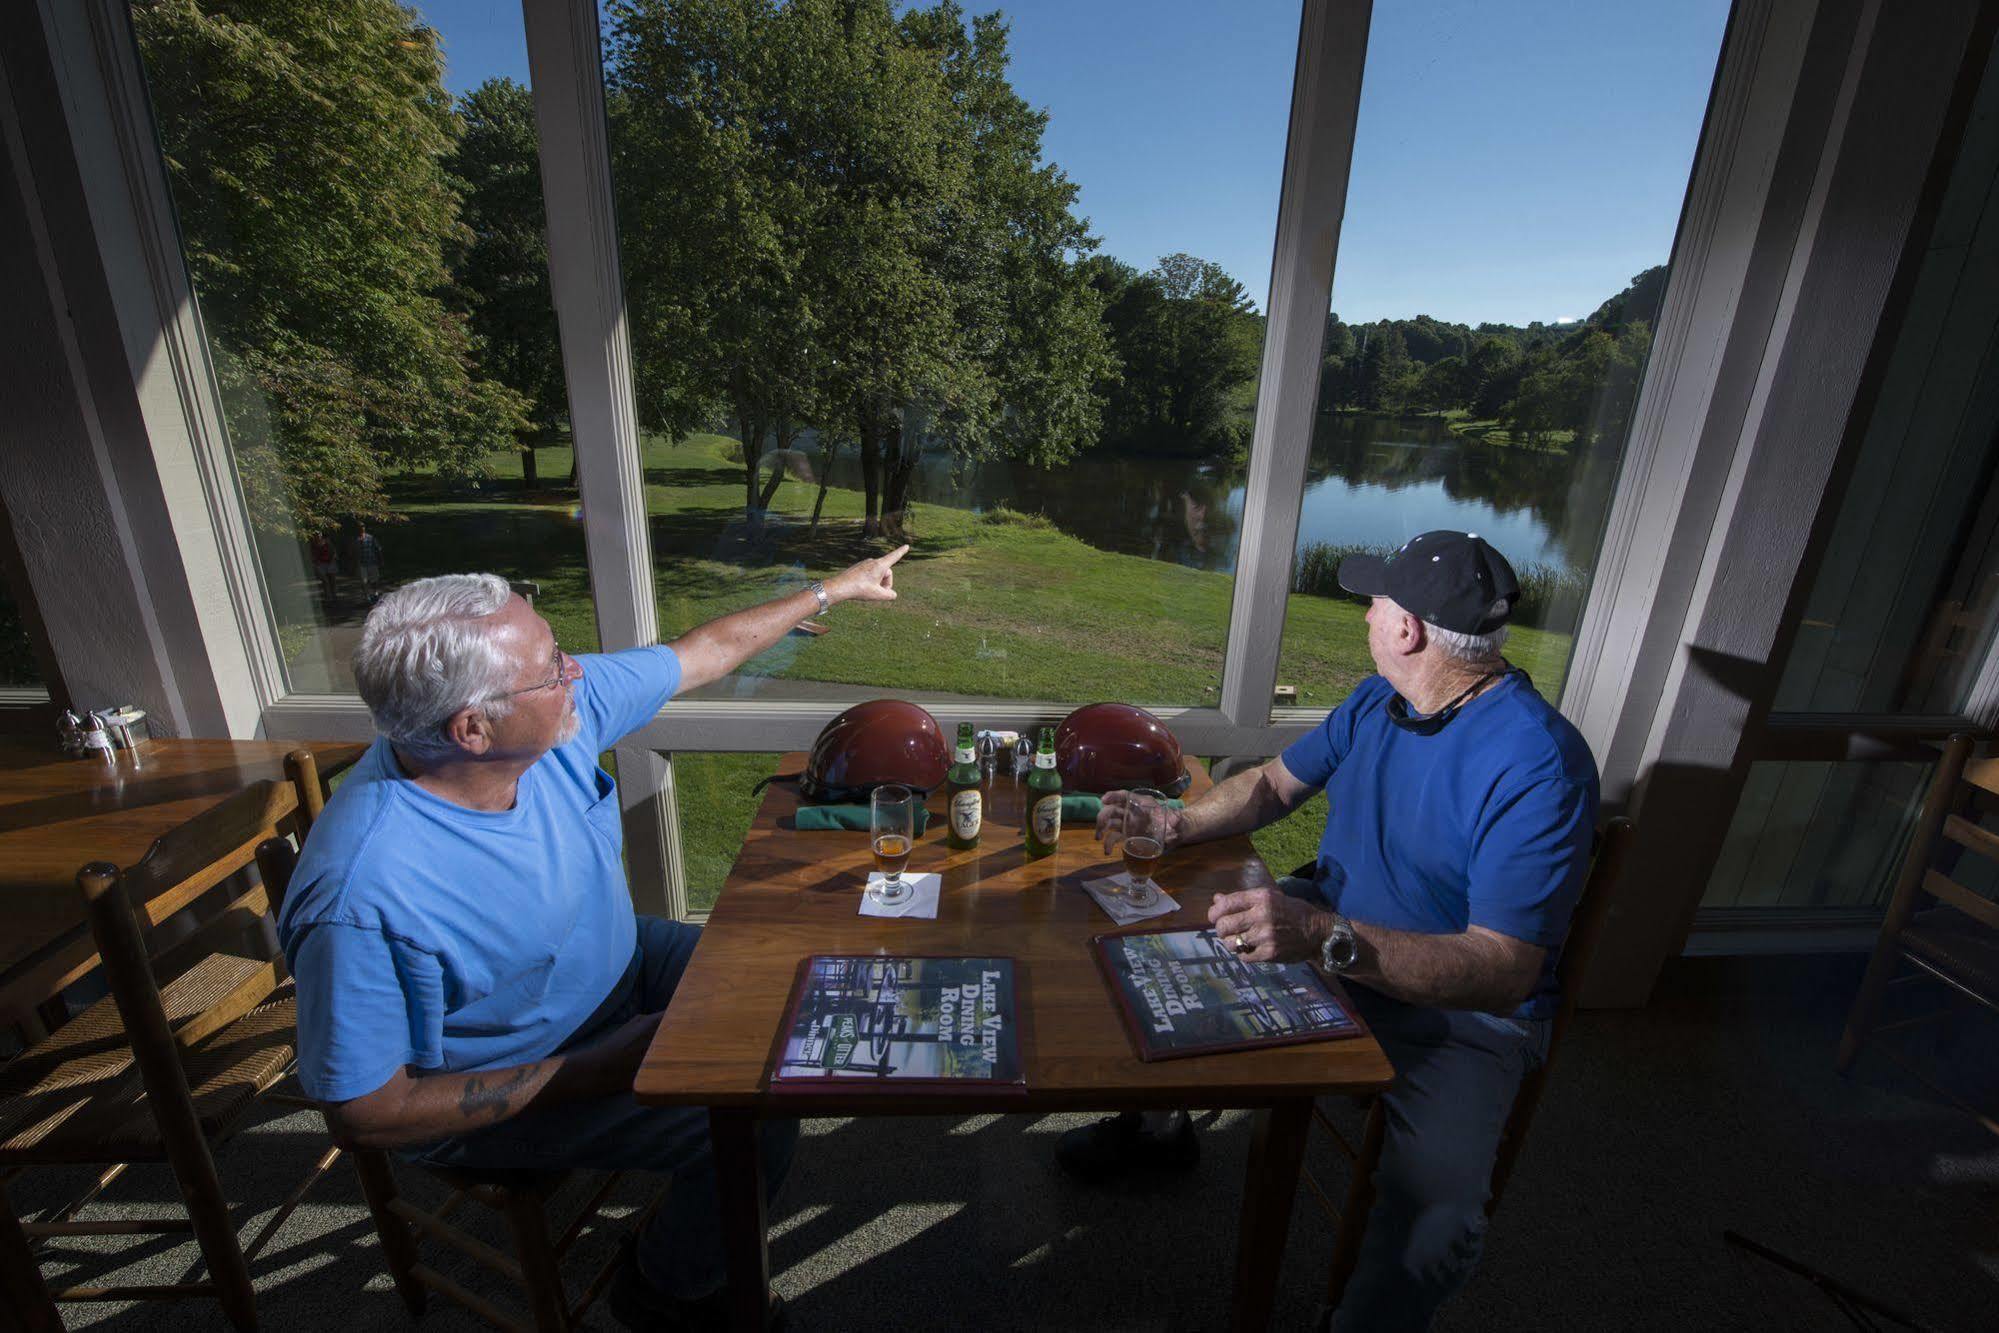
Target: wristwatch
(1341, 948)
(818, 589)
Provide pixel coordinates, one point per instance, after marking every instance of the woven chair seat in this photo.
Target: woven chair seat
(1958, 944)
(76, 1096)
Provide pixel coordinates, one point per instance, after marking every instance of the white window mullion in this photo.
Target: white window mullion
(567, 74)
(1325, 102)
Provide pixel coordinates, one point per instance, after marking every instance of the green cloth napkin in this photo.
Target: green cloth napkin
(846, 818)
(1080, 805)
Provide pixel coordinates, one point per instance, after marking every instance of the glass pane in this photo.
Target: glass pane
(18, 668)
(1501, 265)
(1902, 605)
(1904, 600)
(716, 798)
(375, 301)
(1817, 835)
(992, 286)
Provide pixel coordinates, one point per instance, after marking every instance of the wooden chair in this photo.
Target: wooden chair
(1936, 928)
(1592, 910)
(157, 1072)
(522, 1197)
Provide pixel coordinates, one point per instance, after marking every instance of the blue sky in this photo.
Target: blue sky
(1514, 161)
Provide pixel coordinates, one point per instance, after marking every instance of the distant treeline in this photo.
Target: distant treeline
(1580, 378)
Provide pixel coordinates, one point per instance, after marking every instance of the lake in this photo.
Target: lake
(1372, 480)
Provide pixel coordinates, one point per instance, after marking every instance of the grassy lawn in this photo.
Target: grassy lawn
(1000, 605)
(1490, 430)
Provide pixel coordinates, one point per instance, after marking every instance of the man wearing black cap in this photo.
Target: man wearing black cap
(1462, 807)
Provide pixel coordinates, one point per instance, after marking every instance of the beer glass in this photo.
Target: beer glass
(892, 831)
(1145, 816)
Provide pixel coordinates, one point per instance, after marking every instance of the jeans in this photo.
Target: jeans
(1456, 1071)
(680, 1250)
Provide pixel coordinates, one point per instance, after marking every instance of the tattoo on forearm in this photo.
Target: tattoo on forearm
(483, 1097)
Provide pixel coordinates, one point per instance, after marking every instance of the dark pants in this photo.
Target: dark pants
(680, 1250)
(1456, 1072)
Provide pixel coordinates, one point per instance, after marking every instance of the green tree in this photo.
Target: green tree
(1189, 343)
(305, 143)
(714, 214)
(502, 270)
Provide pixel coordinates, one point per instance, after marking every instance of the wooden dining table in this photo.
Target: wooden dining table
(58, 812)
(795, 894)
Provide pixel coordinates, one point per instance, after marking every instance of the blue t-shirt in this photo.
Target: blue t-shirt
(1486, 823)
(423, 933)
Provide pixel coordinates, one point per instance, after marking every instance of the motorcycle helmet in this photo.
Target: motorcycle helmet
(883, 740)
(1116, 747)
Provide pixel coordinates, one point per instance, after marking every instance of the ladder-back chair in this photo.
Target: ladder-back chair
(194, 1034)
(1937, 930)
(521, 1197)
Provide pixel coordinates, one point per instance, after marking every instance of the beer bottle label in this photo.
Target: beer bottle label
(1048, 820)
(967, 813)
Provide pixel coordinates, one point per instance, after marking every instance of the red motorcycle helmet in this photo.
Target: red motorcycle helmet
(883, 740)
(1116, 747)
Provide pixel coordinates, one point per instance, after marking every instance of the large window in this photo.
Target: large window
(1518, 173)
(992, 286)
(361, 215)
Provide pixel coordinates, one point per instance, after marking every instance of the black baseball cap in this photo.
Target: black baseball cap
(1454, 580)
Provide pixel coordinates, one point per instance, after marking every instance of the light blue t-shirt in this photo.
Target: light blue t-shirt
(1487, 822)
(423, 933)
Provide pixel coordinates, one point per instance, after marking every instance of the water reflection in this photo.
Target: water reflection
(1371, 480)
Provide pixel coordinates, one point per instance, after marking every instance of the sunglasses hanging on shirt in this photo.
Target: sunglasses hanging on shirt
(1429, 724)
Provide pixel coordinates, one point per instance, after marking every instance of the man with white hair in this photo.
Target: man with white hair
(1462, 810)
(474, 989)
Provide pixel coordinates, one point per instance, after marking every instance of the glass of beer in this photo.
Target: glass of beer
(892, 830)
(1145, 816)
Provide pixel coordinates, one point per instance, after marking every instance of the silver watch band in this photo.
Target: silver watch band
(818, 589)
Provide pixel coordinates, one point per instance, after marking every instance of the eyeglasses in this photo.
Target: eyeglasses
(560, 661)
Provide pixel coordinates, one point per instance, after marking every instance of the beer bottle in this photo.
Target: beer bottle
(967, 800)
(1044, 800)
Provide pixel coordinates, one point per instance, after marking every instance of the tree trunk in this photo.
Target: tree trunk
(530, 478)
(871, 473)
(750, 427)
(825, 479)
(901, 466)
(786, 434)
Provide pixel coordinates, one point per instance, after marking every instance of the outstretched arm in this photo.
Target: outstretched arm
(709, 652)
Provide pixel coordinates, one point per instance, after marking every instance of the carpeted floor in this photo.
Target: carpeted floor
(1714, 1108)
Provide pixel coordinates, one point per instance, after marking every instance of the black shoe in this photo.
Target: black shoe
(1120, 1144)
(639, 1305)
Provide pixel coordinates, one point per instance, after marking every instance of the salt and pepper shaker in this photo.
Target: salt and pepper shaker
(97, 736)
(988, 758)
(1023, 757)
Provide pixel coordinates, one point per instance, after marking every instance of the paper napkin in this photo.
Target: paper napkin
(1119, 908)
(922, 900)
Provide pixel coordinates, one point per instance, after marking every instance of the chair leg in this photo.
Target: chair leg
(1360, 1201)
(1860, 1020)
(201, 1190)
(28, 1306)
(378, 1184)
(543, 1274)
